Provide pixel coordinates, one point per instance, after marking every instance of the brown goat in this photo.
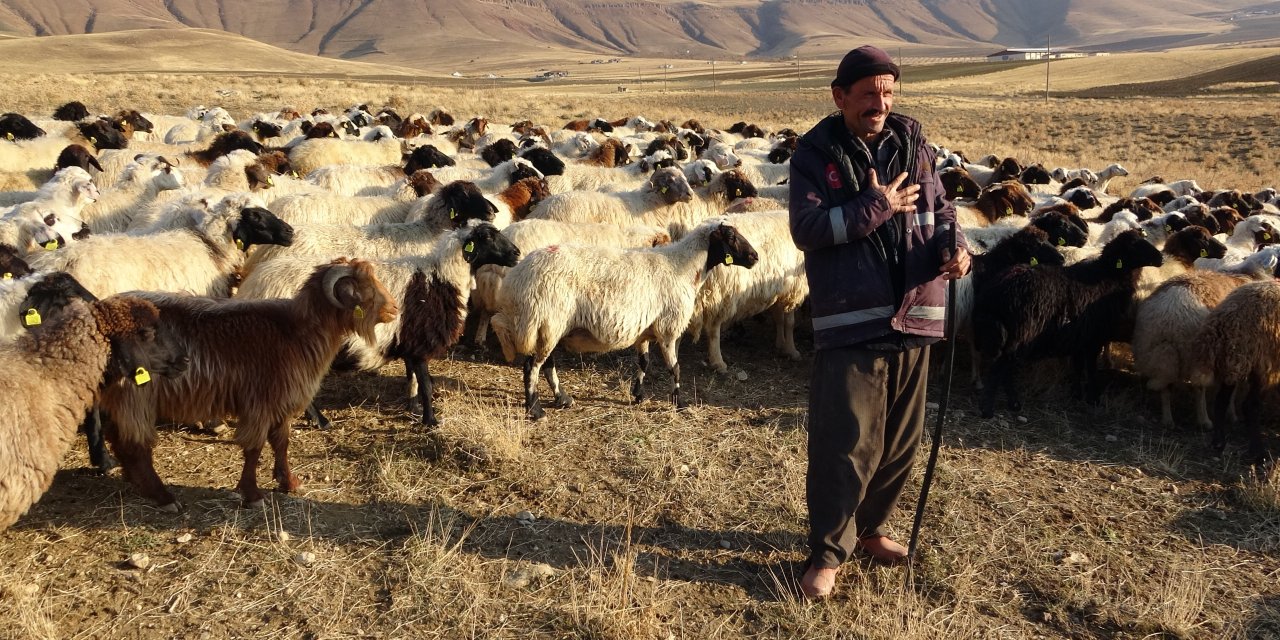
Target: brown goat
(611, 153)
(260, 361)
(522, 196)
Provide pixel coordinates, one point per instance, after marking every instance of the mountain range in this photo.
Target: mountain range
(425, 33)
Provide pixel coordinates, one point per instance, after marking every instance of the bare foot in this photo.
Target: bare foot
(883, 549)
(818, 582)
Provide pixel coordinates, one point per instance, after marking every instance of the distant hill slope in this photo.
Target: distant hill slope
(427, 33)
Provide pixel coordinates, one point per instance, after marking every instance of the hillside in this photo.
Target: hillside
(427, 33)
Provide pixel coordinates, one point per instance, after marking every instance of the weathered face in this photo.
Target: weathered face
(865, 104)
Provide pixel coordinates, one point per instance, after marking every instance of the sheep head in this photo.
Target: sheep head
(138, 351)
(464, 202)
(1128, 252)
(736, 185)
(725, 245)
(1063, 229)
(1193, 242)
(670, 184)
(352, 286)
(255, 225)
(483, 244)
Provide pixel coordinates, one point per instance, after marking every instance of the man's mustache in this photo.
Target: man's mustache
(871, 113)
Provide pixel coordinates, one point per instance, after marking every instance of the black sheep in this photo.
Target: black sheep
(544, 160)
(426, 157)
(71, 112)
(498, 152)
(1033, 313)
(15, 126)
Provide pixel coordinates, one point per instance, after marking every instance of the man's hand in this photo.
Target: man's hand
(956, 267)
(900, 200)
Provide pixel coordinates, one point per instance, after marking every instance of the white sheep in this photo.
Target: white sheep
(1167, 328)
(776, 284)
(1239, 344)
(140, 185)
(530, 235)
(648, 205)
(309, 155)
(597, 299)
(200, 261)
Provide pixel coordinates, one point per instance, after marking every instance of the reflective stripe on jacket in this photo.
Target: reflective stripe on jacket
(850, 288)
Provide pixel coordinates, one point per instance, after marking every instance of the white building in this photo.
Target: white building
(1040, 53)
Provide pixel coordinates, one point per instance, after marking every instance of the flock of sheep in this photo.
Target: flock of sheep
(195, 268)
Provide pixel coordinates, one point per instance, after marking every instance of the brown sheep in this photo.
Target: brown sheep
(52, 377)
(260, 361)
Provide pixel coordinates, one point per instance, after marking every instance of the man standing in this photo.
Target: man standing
(870, 213)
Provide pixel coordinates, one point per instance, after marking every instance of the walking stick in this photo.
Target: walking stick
(948, 362)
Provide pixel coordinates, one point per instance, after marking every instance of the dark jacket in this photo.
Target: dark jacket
(851, 290)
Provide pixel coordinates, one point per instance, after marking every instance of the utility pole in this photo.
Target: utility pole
(1047, 56)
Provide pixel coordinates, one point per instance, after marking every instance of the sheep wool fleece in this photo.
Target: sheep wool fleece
(875, 307)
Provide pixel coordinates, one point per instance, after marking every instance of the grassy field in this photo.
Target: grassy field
(619, 521)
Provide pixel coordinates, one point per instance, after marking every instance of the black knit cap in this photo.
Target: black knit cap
(862, 62)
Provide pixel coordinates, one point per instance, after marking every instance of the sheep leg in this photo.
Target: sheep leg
(420, 371)
(248, 485)
(714, 356)
(987, 405)
(531, 405)
(563, 400)
(669, 355)
(138, 466)
(975, 359)
(313, 412)
(278, 437)
(1166, 405)
(638, 394)
(1220, 406)
(784, 323)
(98, 454)
(1257, 453)
(1202, 408)
(411, 395)
(1011, 385)
(482, 328)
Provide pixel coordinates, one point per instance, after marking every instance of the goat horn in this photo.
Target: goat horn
(331, 280)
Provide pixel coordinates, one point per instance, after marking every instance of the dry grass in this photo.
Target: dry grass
(649, 523)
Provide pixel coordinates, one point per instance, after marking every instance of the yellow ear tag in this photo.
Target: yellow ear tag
(1266, 235)
(1034, 262)
(1119, 264)
(728, 259)
(452, 214)
(1062, 242)
(359, 311)
(293, 173)
(471, 246)
(8, 276)
(51, 245)
(240, 244)
(9, 135)
(959, 188)
(141, 377)
(270, 182)
(1168, 229)
(93, 141)
(32, 318)
(737, 192)
(1204, 253)
(1008, 211)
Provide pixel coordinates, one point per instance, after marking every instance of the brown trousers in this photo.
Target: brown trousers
(866, 414)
